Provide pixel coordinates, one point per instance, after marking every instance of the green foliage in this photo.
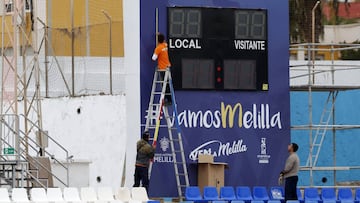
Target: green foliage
(339, 21)
(353, 54)
(300, 12)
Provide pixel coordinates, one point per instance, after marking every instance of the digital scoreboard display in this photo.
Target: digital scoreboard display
(218, 48)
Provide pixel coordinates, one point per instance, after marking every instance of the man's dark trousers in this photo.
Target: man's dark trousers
(141, 174)
(290, 188)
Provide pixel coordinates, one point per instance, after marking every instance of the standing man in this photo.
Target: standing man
(161, 53)
(290, 173)
(145, 152)
(162, 56)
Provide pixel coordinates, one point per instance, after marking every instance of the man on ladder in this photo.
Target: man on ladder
(162, 56)
(162, 104)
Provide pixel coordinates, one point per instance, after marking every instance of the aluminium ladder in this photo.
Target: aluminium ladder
(158, 109)
(319, 137)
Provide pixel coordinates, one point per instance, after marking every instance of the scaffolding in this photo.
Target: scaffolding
(309, 74)
(22, 138)
(20, 65)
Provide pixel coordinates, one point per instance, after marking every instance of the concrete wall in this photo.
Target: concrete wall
(96, 134)
(338, 73)
(339, 148)
(341, 33)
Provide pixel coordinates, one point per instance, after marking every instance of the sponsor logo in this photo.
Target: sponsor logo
(263, 156)
(259, 116)
(164, 144)
(218, 149)
(164, 157)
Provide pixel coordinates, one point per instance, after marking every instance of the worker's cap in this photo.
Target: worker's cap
(146, 134)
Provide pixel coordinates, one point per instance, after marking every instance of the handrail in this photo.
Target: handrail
(33, 146)
(36, 179)
(41, 165)
(324, 44)
(55, 142)
(33, 160)
(52, 139)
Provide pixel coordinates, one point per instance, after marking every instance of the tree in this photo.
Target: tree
(301, 19)
(351, 54)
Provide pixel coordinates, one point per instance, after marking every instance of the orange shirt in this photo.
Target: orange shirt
(161, 51)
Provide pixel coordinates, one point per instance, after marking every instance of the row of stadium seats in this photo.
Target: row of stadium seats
(329, 194)
(260, 193)
(72, 194)
(228, 193)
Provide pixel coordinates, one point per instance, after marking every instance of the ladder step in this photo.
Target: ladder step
(181, 174)
(153, 126)
(156, 92)
(159, 81)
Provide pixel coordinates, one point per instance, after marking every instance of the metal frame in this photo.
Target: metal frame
(333, 89)
(25, 105)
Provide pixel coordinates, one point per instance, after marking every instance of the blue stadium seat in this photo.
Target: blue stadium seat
(277, 193)
(345, 195)
(311, 201)
(293, 201)
(210, 193)
(243, 193)
(227, 193)
(257, 201)
(192, 193)
(328, 195)
(238, 201)
(274, 201)
(311, 194)
(347, 201)
(219, 201)
(260, 193)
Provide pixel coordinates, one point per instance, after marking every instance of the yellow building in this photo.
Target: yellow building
(87, 19)
(7, 26)
(322, 52)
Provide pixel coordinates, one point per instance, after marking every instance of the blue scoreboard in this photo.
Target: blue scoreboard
(230, 73)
